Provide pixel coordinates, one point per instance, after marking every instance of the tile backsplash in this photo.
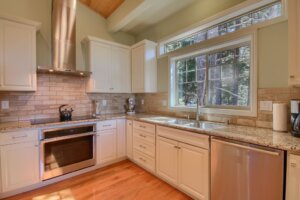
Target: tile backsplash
(53, 91)
(154, 103)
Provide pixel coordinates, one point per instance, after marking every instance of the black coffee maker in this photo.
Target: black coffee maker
(295, 117)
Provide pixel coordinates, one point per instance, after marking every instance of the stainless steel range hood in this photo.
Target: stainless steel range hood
(63, 39)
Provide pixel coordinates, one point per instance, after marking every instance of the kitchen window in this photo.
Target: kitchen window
(264, 10)
(221, 77)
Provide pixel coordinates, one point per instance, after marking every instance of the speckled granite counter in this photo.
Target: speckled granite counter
(260, 136)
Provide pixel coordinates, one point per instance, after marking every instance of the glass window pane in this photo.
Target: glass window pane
(201, 62)
(201, 74)
(191, 76)
(181, 78)
(191, 64)
(245, 20)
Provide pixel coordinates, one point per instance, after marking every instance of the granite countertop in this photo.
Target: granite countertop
(253, 135)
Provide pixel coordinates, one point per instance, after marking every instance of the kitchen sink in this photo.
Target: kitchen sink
(187, 123)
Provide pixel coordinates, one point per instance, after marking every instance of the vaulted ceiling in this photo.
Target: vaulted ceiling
(103, 7)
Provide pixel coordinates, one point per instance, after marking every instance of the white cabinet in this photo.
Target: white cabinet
(144, 145)
(144, 67)
(110, 66)
(106, 146)
(294, 42)
(184, 165)
(111, 141)
(17, 55)
(121, 138)
(293, 177)
(129, 139)
(167, 160)
(19, 160)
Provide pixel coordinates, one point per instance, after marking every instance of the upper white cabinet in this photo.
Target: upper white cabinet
(17, 54)
(144, 67)
(294, 42)
(110, 66)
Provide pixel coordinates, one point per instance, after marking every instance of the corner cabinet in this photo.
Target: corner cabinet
(110, 66)
(294, 42)
(144, 67)
(17, 54)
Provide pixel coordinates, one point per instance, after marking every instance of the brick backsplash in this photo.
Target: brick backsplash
(53, 91)
(153, 104)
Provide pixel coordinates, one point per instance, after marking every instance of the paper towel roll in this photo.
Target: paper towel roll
(280, 117)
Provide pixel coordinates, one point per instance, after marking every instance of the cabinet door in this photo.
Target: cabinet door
(121, 72)
(294, 42)
(17, 44)
(129, 139)
(138, 61)
(193, 171)
(19, 165)
(293, 178)
(100, 61)
(121, 138)
(106, 146)
(167, 159)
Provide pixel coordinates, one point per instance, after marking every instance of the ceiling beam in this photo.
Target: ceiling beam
(127, 12)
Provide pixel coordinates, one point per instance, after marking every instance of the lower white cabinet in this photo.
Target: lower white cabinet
(181, 164)
(167, 160)
(129, 137)
(106, 146)
(19, 165)
(293, 177)
(121, 138)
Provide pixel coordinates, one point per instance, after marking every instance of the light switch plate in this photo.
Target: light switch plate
(4, 105)
(266, 105)
(142, 101)
(164, 103)
(104, 103)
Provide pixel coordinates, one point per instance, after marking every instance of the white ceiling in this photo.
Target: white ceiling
(134, 16)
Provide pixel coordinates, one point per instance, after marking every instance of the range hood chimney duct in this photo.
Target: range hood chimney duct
(63, 39)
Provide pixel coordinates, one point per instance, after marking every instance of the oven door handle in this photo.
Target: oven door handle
(67, 137)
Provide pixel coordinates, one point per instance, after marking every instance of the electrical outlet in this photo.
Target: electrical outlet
(4, 105)
(142, 101)
(266, 105)
(164, 103)
(104, 103)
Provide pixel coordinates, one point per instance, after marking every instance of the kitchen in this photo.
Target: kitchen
(195, 99)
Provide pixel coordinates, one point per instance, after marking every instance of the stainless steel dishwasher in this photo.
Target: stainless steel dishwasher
(240, 171)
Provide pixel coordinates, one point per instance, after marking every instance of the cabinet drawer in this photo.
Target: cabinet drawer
(106, 125)
(144, 147)
(150, 128)
(144, 161)
(18, 136)
(144, 136)
(187, 137)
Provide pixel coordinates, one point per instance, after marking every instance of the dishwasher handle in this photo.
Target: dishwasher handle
(273, 153)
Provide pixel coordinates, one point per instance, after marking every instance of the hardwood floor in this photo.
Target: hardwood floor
(123, 180)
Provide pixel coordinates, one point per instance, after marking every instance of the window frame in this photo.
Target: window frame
(217, 44)
(220, 17)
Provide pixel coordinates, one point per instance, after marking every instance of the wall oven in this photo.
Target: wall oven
(67, 149)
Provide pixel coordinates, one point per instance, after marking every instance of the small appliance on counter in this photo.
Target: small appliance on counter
(130, 106)
(66, 113)
(295, 117)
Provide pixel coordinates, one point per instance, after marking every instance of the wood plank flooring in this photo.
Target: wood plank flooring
(124, 180)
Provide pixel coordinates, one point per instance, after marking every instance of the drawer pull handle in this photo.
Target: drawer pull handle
(107, 125)
(142, 126)
(293, 165)
(177, 147)
(142, 135)
(142, 159)
(18, 137)
(143, 147)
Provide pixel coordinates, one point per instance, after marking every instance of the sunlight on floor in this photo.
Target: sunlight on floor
(60, 195)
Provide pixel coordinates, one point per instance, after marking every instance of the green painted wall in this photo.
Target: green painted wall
(273, 56)
(88, 23)
(194, 13)
(272, 42)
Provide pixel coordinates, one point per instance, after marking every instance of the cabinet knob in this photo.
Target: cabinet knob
(292, 76)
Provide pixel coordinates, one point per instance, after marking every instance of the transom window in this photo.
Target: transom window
(247, 19)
